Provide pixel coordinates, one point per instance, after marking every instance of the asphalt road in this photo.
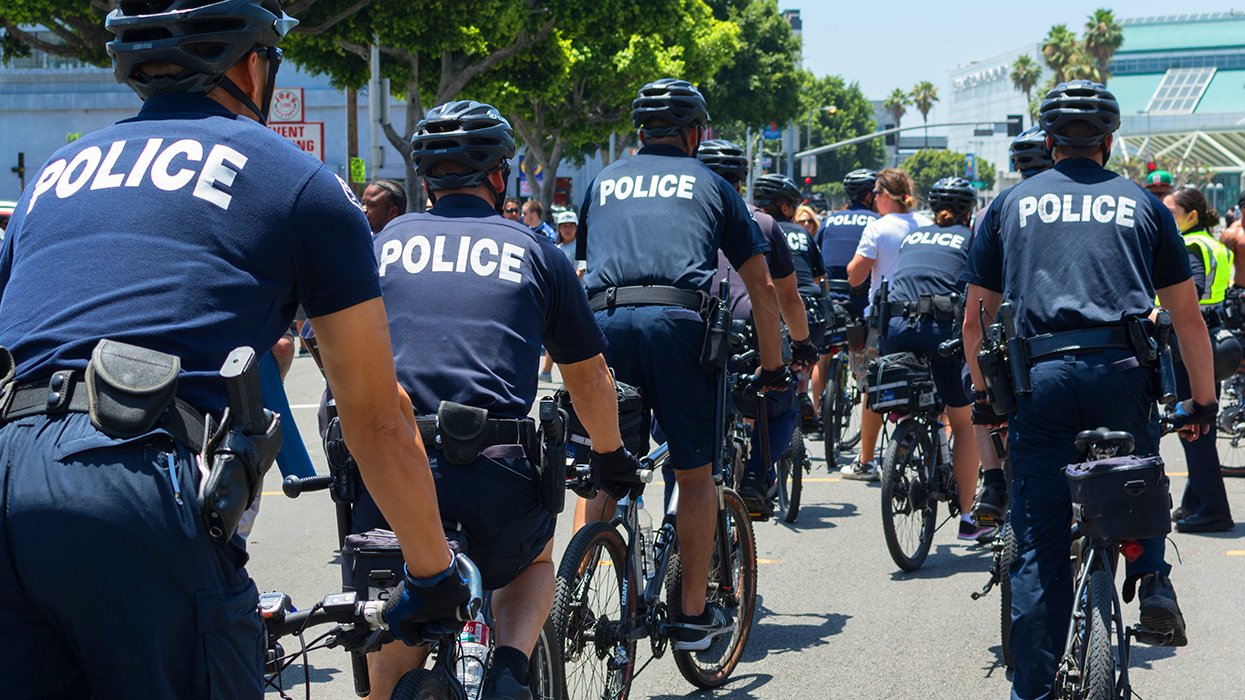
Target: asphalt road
(836, 618)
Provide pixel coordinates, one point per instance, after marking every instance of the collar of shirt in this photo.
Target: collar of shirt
(462, 205)
(1079, 163)
(663, 149)
(857, 206)
(182, 103)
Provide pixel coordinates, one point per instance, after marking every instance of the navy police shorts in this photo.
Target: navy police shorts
(924, 337)
(657, 348)
(495, 501)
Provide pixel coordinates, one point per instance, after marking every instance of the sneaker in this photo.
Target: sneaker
(757, 498)
(990, 504)
(546, 376)
(860, 471)
(808, 414)
(1160, 613)
(972, 531)
(500, 684)
(698, 633)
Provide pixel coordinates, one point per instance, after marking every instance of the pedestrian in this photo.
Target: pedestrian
(806, 217)
(383, 201)
(1160, 183)
(534, 217)
(512, 209)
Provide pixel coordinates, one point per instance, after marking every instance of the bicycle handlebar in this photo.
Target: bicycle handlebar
(294, 486)
(951, 348)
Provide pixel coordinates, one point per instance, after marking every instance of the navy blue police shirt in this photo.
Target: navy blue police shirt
(778, 260)
(805, 256)
(187, 230)
(931, 262)
(1077, 246)
(839, 236)
(659, 218)
(471, 297)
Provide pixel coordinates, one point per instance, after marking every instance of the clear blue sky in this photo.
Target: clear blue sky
(885, 45)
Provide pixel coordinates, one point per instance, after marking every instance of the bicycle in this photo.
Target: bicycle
(1092, 666)
(839, 401)
(1231, 426)
(609, 593)
(1003, 550)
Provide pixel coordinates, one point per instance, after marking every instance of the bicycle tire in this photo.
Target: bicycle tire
(829, 426)
(712, 667)
(423, 684)
(1006, 556)
(1230, 433)
(790, 470)
(908, 509)
(594, 668)
(1098, 677)
(545, 668)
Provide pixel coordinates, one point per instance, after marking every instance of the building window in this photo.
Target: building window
(1180, 90)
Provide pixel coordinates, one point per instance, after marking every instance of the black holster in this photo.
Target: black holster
(461, 431)
(551, 467)
(1165, 367)
(342, 465)
(716, 348)
(239, 462)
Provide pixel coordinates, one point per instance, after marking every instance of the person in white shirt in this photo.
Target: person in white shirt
(876, 255)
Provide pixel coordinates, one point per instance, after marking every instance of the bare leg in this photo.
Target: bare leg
(870, 427)
(966, 456)
(386, 666)
(696, 521)
(600, 507)
(819, 381)
(522, 606)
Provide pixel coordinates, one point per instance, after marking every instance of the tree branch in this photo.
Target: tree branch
(299, 7)
(335, 19)
(452, 83)
(37, 43)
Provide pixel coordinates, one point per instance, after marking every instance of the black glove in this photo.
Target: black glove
(774, 378)
(1190, 412)
(616, 473)
(803, 352)
(419, 607)
(983, 414)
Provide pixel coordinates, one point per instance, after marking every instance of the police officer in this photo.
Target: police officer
(650, 228)
(758, 484)
(1029, 155)
(924, 299)
(1204, 507)
(196, 257)
(526, 294)
(1083, 370)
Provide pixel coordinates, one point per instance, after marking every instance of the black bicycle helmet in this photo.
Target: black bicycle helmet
(469, 134)
(859, 183)
(676, 102)
(953, 193)
(775, 188)
(205, 37)
(725, 159)
(1084, 102)
(1029, 154)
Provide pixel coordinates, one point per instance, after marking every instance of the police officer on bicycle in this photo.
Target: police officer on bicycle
(481, 365)
(1078, 252)
(196, 256)
(650, 229)
(758, 484)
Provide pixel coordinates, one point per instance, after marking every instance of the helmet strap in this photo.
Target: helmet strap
(261, 114)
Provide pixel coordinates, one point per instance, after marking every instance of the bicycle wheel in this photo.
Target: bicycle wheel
(589, 613)
(790, 470)
(548, 680)
(1007, 554)
(732, 587)
(908, 510)
(1099, 662)
(1231, 427)
(422, 684)
(849, 409)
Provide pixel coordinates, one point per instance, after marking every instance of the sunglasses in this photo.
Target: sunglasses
(804, 222)
(512, 210)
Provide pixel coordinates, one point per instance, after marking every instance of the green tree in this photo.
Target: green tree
(896, 104)
(924, 95)
(762, 67)
(836, 111)
(1025, 74)
(1103, 37)
(929, 165)
(1058, 49)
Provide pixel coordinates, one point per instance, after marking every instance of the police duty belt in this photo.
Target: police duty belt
(495, 431)
(940, 308)
(651, 295)
(1049, 345)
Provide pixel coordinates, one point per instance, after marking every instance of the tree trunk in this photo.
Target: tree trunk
(415, 196)
(550, 164)
(352, 137)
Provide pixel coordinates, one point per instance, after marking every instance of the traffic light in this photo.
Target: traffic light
(1151, 166)
(808, 181)
(1015, 125)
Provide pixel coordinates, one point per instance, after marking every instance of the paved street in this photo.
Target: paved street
(836, 618)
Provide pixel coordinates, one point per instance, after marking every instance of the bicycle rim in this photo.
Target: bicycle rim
(589, 613)
(733, 589)
(908, 510)
(791, 476)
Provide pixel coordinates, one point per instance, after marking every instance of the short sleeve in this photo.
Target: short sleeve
(1171, 262)
(334, 264)
(868, 246)
(741, 236)
(1198, 269)
(819, 265)
(571, 331)
(581, 231)
(985, 254)
(780, 262)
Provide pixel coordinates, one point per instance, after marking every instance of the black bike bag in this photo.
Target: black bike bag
(900, 383)
(633, 422)
(1121, 498)
(372, 564)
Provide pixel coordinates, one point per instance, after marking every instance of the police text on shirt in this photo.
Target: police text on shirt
(483, 257)
(664, 186)
(1051, 208)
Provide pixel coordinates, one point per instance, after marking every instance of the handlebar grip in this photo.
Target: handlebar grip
(293, 486)
(645, 475)
(468, 611)
(949, 348)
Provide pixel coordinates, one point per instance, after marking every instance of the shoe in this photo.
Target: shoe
(757, 497)
(1204, 523)
(1179, 514)
(991, 503)
(500, 684)
(973, 531)
(860, 471)
(545, 376)
(808, 414)
(697, 634)
(1160, 613)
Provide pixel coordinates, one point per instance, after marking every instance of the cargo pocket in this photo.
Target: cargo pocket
(231, 638)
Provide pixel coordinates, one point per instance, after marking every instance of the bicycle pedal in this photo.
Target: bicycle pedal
(1151, 637)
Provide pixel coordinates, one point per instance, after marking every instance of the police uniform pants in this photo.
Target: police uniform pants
(1204, 492)
(110, 586)
(782, 413)
(1070, 394)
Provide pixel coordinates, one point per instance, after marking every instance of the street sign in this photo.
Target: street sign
(970, 166)
(808, 166)
(287, 105)
(358, 171)
(772, 132)
(308, 136)
(525, 187)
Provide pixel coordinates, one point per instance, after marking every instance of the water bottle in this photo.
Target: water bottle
(472, 655)
(645, 522)
(944, 448)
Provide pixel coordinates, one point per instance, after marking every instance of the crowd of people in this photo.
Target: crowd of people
(118, 433)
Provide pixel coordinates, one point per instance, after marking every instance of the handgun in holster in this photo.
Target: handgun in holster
(342, 465)
(1017, 351)
(992, 360)
(1165, 368)
(240, 450)
(882, 308)
(551, 479)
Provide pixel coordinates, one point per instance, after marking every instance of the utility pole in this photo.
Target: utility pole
(377, 100)
(20, 169)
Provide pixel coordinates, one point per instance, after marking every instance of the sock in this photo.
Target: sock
(512, 659)
(703, 618)
(993, 476)
(965, 518)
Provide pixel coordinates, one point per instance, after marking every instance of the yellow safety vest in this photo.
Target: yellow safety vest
(1216, 261)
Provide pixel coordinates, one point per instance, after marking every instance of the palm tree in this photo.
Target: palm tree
(924, 94)
(1058, 49)
(1103, 37)
(896, 104)
(1025, 74)
(1083, 66)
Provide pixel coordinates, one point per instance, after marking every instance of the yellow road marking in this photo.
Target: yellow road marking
(769, 561)
(1177, 473)
(821, 479)
(1235, 553)
(272, 493)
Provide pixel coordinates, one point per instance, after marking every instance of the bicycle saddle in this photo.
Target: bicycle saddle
(1105, 440)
